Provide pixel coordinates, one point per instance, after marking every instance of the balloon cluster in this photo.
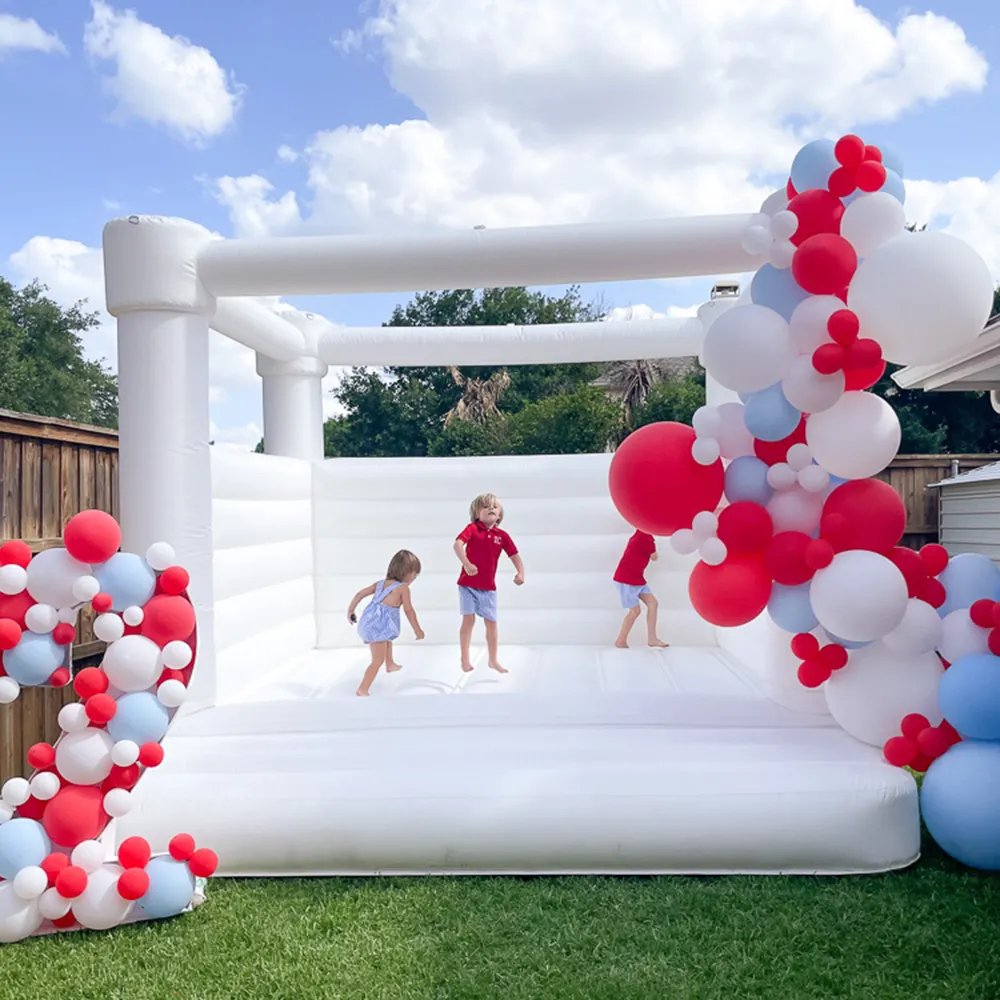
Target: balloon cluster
(775, 491)
(53, 866)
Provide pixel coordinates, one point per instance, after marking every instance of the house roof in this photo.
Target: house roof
(976, 366)
(983, 474)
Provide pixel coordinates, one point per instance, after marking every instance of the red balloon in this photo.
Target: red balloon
(805, 646)
(32, 809)
(858, 379)
(790, 191)
(90, 681)
(101, 603)
(41, 755)
(913, 725)
(933, 593)
(981, 612)
(829, 358)
(181, 847)
(850, 151)
(53, 865)
(993, 642)
(842, 182)
(71, 882)
(151, 755)
(932, 742)
(873, 153)
(15, 606)
(133, 883)
(920, 763)
(732, 593)
(121, 777)
(870, 176)
(812, 673)
(167, 618)
(786, 558)
(863, 514)
(773, 452)
(833, 656)
(818, 211)
(745, 527)
(864, 354)
(910, 565)
(64, 634)
(100, 708)
(59, 677)
(935, 558)
(75, 814)
(10, 633)
(996, 615)
(92, 536)
(15, 553)
(824, 264)
(899, 751)
(173, 580)
(65, 922)
(655, 483)
(843, 326)
(203, 863)
(819, 554)
(134, 852)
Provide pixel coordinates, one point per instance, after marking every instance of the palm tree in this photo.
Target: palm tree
(480, 397)
(631, 381)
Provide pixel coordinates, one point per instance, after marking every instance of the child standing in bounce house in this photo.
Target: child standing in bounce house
(478, 548)
(630, 577)
(379, 624)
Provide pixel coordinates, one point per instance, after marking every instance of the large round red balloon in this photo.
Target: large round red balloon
(92, 536)
(745, 527)
(773, 452)
(15, 606)
(785, 559)
(818, 211)
(824, 264)
(732, 593)
(863, 514)
(167, 618)
(655, 483)
(75, 814)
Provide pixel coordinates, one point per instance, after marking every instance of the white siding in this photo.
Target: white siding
(969, 517)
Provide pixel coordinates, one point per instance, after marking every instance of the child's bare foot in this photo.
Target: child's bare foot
(362, 693)
(391, 668)
(658, 644)
(621, 644)
(499, 669)
(467, 667)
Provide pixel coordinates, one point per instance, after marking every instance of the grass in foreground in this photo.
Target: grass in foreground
(930, 932)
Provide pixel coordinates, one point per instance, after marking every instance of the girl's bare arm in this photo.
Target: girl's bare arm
(411, 615)
(464, 559)
(357, 599)
(518, 567)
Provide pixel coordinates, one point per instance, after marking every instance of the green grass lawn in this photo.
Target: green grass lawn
(930, 932)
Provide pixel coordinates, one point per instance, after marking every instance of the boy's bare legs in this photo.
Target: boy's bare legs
(391, 666)
(652, 609)
(631, 617)
(378, 658)
(493, 646)
(465, 640)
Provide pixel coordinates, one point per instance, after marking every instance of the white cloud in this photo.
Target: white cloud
(243, 438)
(160, 79)
(26, 34)
(643, 311)
(623, 110)
(287, 154)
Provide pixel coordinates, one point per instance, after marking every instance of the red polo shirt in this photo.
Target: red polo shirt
(632, 568)
(482, 548)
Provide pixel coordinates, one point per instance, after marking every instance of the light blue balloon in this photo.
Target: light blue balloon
(777, 289)
(171, 886)
(769, 416)
(141, 717)
(894, 185)
(967, 578)
(33, 659)
(746, 479)
(790, 608)
(127, 578)
(813, 164)
(960, 803)
(23, 842)
(969, 696)
(891, 160)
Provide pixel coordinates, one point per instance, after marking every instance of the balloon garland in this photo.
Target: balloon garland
(905, 646)
(55, 873)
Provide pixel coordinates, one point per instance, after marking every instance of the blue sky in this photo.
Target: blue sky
(498, 124)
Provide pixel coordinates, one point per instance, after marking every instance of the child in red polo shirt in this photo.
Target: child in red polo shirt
(630, 576)
(478, 548)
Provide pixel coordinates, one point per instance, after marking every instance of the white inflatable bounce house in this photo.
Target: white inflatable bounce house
(722, 754)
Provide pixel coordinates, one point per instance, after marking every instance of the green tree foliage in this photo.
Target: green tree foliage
(673, 399)
(42, 367)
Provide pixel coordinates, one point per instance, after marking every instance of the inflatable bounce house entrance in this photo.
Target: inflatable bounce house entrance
(808, 650)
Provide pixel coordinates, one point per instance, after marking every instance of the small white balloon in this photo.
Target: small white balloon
(713, 551)
(41, 618)
(89, 855)
(733, 437)
(176, 655)
(705, 450)
(160, 556)
(813, 479)
(13, 579)
(15, 792)
(784, 224)
(133, 616)
(68, 615)
(774, 203)
(171, 693)
(125, 753)
(117, 802)
(808, 390)
(52, 906)
(795, 510)
(756, 240)
(73, 718)
(706, 421)
(856, 438)
(86, 588)
(961, 636)
(684, 542)
(871, 220)
(109, 627)
(807, 327)
(132, 663)
(705, 524)
(781, 476)
(9, 690)
(84, 758)
(919, 631)
(30, 882)
(798, 456)
(781, 253)
(45, 785)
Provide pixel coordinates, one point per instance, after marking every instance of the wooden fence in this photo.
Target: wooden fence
(49, 470)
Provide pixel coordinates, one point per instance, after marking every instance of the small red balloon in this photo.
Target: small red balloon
(773, 452)
(842, 182)
(829, 358)
(932, 742)
(843, 326)
(59, 677)
(818, 211)
(819, 554)
(71, 882)
(121, 777)
(65, 922)
(167, 618)
(151, 755)
(133, 883)
(181, 847)
(75, 814)
(805, 646)
(203, 863)
(993, 642)
(10, 633)
(933, 593)
(101, 709)
(863, 354)
(15, 553)
(873, 153)
(101, 603)
(935, 558)
(92, 536)
(174, 580)
(15, 606)
(812, 673)
(90, 681)
(913, 725)
(63, 634)
(134, 852)
(730, 594)
(785, 558)
(41, 755)
(824, 264)
(871, 176)
(911, 566)
(920, 763)
(850, 151)
(53, 865)
(745, 527)
(833, 656)
(858, 379)
(981, 612)
(899, 751)
(32, 809)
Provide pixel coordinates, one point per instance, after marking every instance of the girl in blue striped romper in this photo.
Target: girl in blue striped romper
(379, 624)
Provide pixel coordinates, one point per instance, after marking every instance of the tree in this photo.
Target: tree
(675, 399)
(480, 399)
(580, 422)
(42, 366)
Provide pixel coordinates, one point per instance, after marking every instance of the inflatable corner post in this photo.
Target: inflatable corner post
(58, 866)
(775, 492)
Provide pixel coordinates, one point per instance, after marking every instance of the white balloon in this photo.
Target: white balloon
(173, 692)
(684, 542)
(860, 596)
(45, 785)
(871, 220)
(125, 753)
(798, 456)
(88, 855)
(713, 551)
(109, 627)
(807, 327)
(814, 479)
(160, 556)
(13, 579)
(6, 812)
(774, 203)
(808, 390)
(52, 906)
(748, 348)
(132, 663)
(176, 654)
(961, 636)
(877, 688)
(9, 690)
(756, 240)
(41, 618)
(30, 882)
(780, 476)
(101, 907)
(19, 918)
(68, 615)
(15, 792)
(84, 758)
(86, 588)
(784, 224)
(133, 616)
(118, 802)
(706, 421)
(795, 509)
(781, 253)
(922, 296)
(705, 451)
(918, 632)
(733, 437)
(73, 718)
(51, 575)
(705, 524)
(855, 438)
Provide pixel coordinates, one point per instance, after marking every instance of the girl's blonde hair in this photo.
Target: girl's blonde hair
(402, 564)
(485, 500)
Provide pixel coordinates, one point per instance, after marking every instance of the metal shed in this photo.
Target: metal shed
(969, 511)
